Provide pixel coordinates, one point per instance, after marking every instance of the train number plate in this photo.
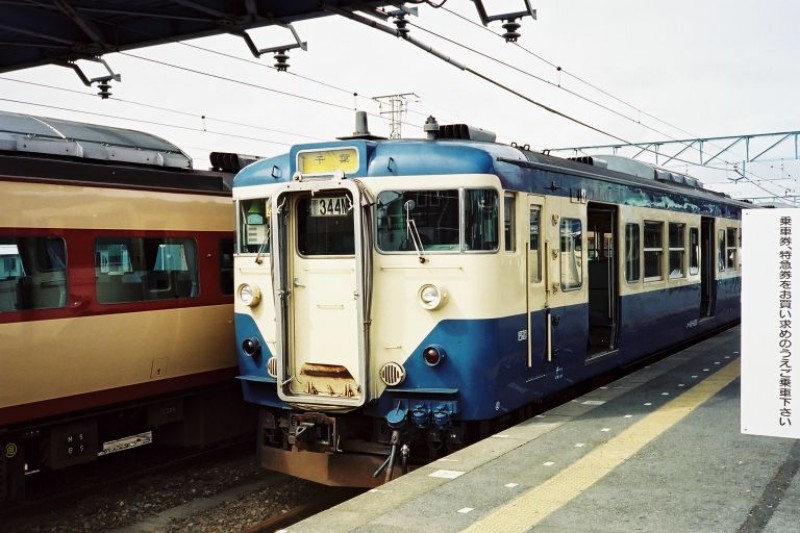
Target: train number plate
(336, 206)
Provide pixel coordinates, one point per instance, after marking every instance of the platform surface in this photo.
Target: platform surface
(657, 451)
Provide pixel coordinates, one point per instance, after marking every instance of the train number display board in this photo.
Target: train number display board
(771, 322)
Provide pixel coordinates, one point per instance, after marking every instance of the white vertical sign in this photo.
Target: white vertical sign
(771, 322)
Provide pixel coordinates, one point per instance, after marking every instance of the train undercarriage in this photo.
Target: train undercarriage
(348, 450)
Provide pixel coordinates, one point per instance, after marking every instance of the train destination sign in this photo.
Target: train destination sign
(327, 162)
(771, 322)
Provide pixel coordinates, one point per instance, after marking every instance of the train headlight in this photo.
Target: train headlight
(433, 355)
(432, 297)
(249, 295)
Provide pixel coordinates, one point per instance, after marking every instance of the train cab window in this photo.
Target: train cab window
(653, 250)
(32, 273)
(632, 259)
(571, 256)
(253, 234)
(325, 225)
(431, 220)
(694, 247)
(510, 222)
(134, 269)
(732, 249)
(677, 249)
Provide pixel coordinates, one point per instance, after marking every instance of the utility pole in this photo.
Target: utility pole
(397, 104)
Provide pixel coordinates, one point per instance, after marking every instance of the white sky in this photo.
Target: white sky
(710, 68)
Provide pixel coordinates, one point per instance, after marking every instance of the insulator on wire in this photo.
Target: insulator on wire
(511, 35)
(281, 58)
(104, 87)
(402, 24)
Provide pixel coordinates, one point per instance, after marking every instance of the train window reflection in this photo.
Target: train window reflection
(509, 222)
(253, 232)
(677, 250)
(653, 250)
(32, 273)
(694, 244)
(632, 259)
(571, 254)
(325, 225)
(435, 217)
(133, 269)
(732, 249)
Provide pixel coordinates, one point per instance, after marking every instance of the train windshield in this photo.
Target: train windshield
(433, 218)
(253, 234)
(325, 225)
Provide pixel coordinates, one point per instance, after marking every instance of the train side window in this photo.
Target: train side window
(694, 245)
(731, 249)
(721, 250)
(33, 273)
(226, 265)
(571, 254)
(653, 250)
(142, 269)
(480, 219)
(677, 249)
(633, 261)
(510, 222)
(253, 234)
(534, 255)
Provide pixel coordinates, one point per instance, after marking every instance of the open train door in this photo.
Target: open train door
(707, 286)
(603, 288)
(539, 335)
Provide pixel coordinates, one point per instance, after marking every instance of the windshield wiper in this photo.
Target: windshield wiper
(411, 230)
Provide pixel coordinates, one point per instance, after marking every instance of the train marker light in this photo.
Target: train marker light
(249, 295)
(433, 355)
(432, 297)
(251, 346)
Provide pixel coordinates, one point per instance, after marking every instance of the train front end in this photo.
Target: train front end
(343, 274)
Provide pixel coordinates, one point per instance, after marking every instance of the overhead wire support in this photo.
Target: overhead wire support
(397, 108)
(426, 47)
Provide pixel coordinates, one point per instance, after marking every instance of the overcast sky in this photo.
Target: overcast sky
(665, 70)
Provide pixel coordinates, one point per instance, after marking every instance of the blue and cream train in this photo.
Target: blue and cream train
(396, 296)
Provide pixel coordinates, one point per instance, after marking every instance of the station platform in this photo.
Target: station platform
(659, 450)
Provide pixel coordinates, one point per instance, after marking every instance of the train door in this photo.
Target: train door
(603, 290)
(323, 353)
(707, 287)
(539, 335)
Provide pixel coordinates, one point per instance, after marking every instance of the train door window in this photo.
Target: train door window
(142, 269)
(480, 219)
(653, 250)
(721, 261)
(325, 225)
(32, 273)
(632, 259)
(253, 234)
(731, 249)
(510, 222)
(535, 256)
(694, 249)
(571, 254)
(226, 265)
(677, 249)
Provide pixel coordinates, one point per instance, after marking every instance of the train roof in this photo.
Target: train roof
(52, 136)
(382, 157)
(53, 150)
